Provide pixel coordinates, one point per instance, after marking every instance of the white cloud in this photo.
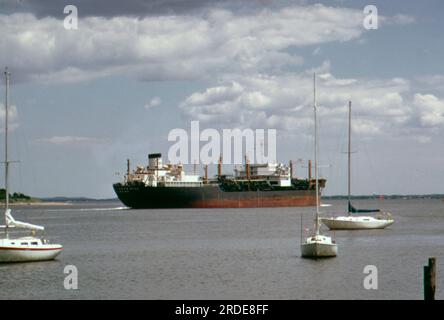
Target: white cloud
(71, 141)
(433, 83)
(154, 102)
(169, 47)
(401, 19)
(12, 112)
(239, 49)
(397, 19)
(381, 106)
(436, 79)
(430, 109)
(12, 117)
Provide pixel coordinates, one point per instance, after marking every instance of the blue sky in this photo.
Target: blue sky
(82, 96)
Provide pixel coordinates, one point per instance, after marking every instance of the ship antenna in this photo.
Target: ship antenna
(349, 156)
(219, 166)
(316, 154)
(7, 74)
(128, 169)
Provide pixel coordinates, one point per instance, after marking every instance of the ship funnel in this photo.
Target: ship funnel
(247, 167)
(154, 160)
(291, 169)
(309, 169)
(219, 167)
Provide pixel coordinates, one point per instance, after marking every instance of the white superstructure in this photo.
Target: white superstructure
(170, 175)
(159, 174)
(277, 174)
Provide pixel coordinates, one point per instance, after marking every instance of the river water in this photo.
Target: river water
(225, 253)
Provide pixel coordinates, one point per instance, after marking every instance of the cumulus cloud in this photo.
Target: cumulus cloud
(249, 51)
(107, 8)
(12, 112)
(433, 83)
(400, 19)
(169, 46)
(397, 19)
(12, 117)
(435, 79)
(154, 102)
(383, 106)
(71, 141)
(430, 110)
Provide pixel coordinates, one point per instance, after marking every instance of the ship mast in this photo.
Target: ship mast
(349, 155)
(7, 74)
(316, 155)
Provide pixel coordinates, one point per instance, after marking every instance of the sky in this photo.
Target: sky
(84, 100)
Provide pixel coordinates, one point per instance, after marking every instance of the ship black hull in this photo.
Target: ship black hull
(139, 196)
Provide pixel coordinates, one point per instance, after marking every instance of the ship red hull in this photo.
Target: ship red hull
(210, 196)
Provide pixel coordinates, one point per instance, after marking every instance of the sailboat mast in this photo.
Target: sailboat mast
(6, 148)
(349, 156)
(316, 154)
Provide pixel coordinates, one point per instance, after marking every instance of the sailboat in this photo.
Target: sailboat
(21, 249)
(317, 245)
(350, 222)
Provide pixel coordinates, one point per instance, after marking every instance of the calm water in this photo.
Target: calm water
(225, 254)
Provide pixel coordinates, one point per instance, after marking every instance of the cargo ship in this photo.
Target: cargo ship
(159, 185)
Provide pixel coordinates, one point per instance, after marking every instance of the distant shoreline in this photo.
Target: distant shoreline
(37, 203)
(66, 201)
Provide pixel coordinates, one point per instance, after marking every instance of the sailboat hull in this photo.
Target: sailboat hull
(319, 250)
(356, 223)
(27, 250)
(319, 246)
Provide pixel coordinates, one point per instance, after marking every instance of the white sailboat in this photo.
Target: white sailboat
(350, 222)
(317, 245)
(21, 249)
